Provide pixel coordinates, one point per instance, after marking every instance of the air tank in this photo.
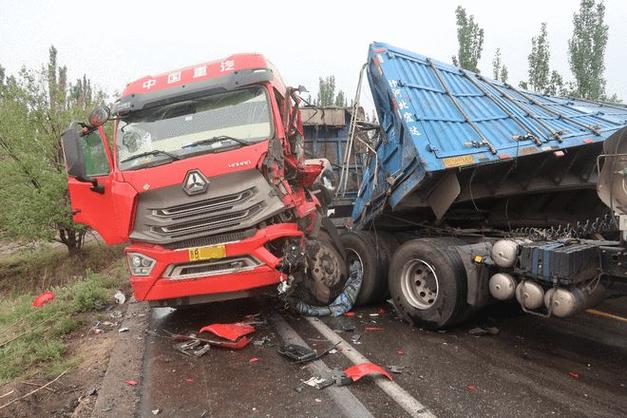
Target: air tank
(530, 294)
(563, 302)
(502, 286)
(505, 252)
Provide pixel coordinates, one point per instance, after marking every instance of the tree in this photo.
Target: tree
(340, 100)
(499, 70)
(36, 106)
(539, 71)
(326, 93)
(586, 50)
(470, 39)
(555, 86)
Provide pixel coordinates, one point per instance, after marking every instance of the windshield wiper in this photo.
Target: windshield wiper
(153, 152)
(216, 139)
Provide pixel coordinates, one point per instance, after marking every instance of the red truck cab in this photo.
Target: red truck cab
(205, 178)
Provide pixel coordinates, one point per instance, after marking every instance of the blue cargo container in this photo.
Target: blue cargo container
(456, 143)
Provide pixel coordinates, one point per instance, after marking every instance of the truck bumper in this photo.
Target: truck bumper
(247, 265)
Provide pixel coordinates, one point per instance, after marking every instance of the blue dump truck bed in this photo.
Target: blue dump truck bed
(460, 148)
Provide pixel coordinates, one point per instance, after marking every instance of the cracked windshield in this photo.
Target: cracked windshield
(207, 124)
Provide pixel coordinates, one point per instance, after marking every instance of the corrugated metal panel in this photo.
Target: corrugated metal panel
(437, 117)
(329, 116)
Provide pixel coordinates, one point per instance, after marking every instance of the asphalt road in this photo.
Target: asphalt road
(532, 367)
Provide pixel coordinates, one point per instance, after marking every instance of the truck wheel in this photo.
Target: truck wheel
(428, 283)
(373, 258)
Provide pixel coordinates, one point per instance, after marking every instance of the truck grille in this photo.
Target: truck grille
(211, 268)
(233, 202)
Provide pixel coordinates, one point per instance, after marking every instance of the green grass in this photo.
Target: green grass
(44, 343)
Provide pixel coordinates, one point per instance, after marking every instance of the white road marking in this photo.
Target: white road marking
(347, 402)
(392, 389)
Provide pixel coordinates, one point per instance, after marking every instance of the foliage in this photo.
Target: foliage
(539, 71)
(470, 39)
(326, 93)
(587, 50)
(36, 106)
(499, 70)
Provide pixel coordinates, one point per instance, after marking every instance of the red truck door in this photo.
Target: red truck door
(97, 199)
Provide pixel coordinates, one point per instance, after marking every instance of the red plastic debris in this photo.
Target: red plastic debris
(471, 388)
(131, 382)
(574, 375)
(400, 352)
(238, 345)
(381, 311)
(358, 371)
(189, 380)
(373, 329)
(253, 360)
(349, 314)
(42, 299)
(230, 332)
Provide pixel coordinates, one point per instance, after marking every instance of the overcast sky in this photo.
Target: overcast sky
(114, 42)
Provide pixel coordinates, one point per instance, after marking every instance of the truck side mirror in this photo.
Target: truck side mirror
(75, 158)
(99, 116)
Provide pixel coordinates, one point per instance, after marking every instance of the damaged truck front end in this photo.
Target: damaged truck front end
(207, 181)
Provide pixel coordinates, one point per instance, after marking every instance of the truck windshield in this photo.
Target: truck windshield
(206, 124)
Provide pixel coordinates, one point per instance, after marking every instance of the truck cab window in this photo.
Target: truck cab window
(96, 161)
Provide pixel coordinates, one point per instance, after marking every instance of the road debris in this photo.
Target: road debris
(231, 332)
(120, 298)
(195, 341)
(355, 339)
(42, 299)
(123, 329)
(358, 371)
(574, 375)
(395, 369)
(131, 382)
(262, 342)
(300, 354)
(373, 329)
(319, 382)
(478, 331)
(471, 388)
(156, 411)
(253, 360)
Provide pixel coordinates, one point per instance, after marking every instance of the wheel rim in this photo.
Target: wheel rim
(419, 284)
(353, 257)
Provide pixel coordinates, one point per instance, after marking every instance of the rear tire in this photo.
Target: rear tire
(373, 255)
(427, 283)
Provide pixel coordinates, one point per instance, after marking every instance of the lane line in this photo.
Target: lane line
(391, 388)
(345, 400)
(606, 315)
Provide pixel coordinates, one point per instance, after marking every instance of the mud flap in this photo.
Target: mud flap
(477, 275)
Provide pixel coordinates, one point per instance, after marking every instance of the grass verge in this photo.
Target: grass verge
(36, 338)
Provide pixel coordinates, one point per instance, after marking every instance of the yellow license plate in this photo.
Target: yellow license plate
(457, 161)
(207, 253)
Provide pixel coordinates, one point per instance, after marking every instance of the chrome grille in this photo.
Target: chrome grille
(233, 202)
(211, 268)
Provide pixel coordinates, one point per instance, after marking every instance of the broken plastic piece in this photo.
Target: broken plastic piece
(349, 314)
(297, 353)
(574, 375)
(396, 369)
(119, 297)
(131, 382)
(471, 388)
(373, 329)
(42, 299)
(230, 332)
(358, 371)
(253, 360)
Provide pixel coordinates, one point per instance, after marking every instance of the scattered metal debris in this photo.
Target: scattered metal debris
(373, 329)
(319, 382)
(396, 369)
(123, 329)
(156, 411)
(355, 339)
(297, 353)
(265, 340)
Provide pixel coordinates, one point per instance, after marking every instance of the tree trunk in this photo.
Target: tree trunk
(73, 239)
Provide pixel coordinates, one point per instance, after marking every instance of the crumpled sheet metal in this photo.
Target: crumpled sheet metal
(358, 371)
(231, 332)
(342, 303)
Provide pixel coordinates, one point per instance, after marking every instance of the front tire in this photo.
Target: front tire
(427, 283)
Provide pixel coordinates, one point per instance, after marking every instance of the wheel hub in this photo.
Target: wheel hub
(419, 284)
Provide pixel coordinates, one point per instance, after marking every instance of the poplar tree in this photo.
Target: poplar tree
(470, 40)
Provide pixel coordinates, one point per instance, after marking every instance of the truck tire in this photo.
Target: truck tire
(428, 283)
(373, 255)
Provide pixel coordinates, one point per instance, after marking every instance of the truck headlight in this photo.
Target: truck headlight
(139, 264)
